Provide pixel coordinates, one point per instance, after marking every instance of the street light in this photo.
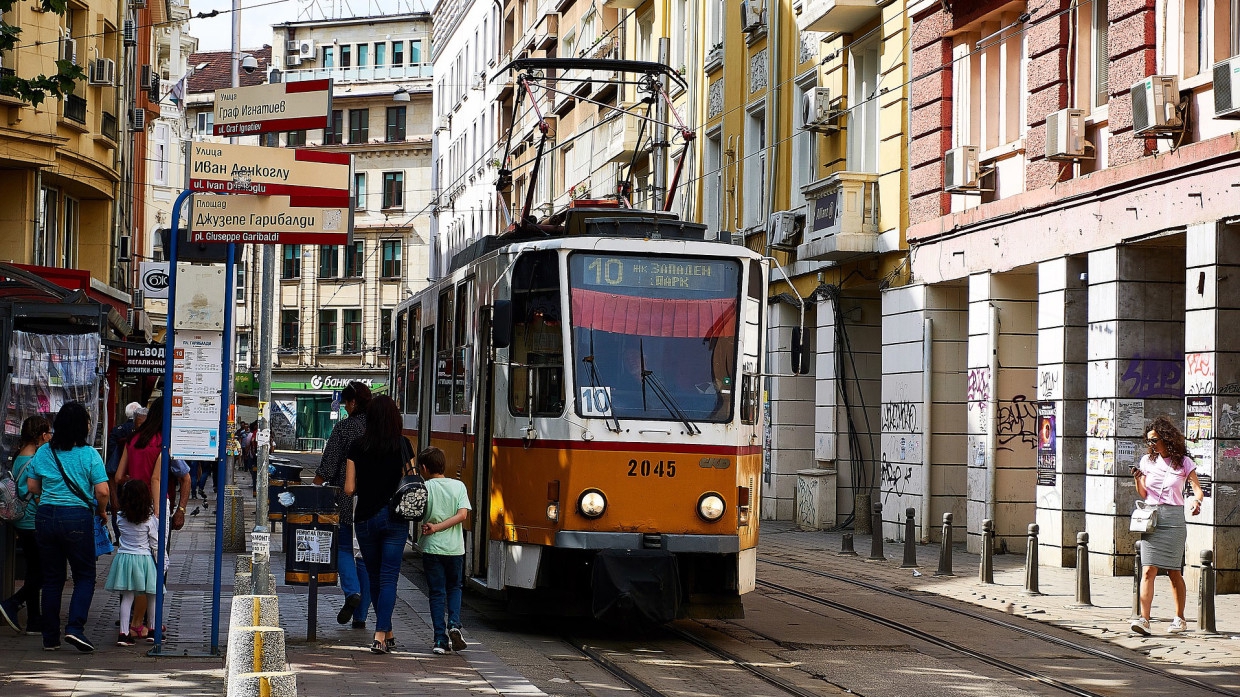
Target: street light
(400, 95)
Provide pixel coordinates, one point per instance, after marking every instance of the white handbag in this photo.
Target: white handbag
(1144, 518)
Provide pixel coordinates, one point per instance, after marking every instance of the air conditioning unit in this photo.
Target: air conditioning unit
(480, 82)
(1065, 135)
(138, 117)
(305, 49)
(1154, 102)
(290, 45)
(816, 110)
(443, 123)
(782, 228)
(137, 4)
(292, 59)
(102, 71)
(68, 50)
(1227, 89)
(960, 170)
(131, 33)
(751, 15)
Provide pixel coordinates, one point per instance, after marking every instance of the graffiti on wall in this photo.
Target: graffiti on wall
(1050, 383)
(1198, 373)
(1017, 423)
(895, 478)
(1148, 377)
(900, 416)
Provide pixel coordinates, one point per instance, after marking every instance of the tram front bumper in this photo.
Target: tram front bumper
(676, 544)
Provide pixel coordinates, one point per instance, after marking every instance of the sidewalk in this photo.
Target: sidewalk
(1106, 620)
(339, 663)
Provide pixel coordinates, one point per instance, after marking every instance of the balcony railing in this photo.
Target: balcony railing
(370, 73)
(842, 217)
(108, 126)
(75, 108)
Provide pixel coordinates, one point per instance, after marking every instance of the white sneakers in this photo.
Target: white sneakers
(1178, 625)
(1141, 626)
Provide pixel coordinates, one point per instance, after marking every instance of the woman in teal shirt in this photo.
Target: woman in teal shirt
(35, 432)
(64, 523)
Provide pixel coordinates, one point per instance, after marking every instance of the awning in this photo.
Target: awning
(626, 314)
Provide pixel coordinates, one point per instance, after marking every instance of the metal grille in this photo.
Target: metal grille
(1223, 100)
(1052, 135)
(108, 126)
(949, 169)
(1141, 107)
(75, 108)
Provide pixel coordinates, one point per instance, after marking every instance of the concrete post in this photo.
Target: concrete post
(1082, 570)
(1205, 600)
(1031, 561)
(910, 539)
(987, 570)
(1136, 581)
(945, 550)
(234, 520)
(876, 537)
(846, 545)
(272, 684)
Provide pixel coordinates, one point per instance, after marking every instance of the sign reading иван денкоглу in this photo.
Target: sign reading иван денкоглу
(271, 108)
(221, 168)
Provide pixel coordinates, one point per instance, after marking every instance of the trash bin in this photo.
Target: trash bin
(311, 539)
(279, 479)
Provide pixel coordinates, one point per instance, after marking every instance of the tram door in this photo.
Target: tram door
(485, 411)
(427, 371)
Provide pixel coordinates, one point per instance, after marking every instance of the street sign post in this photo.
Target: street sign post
(266, 220)
(307, 175)
(288, 106)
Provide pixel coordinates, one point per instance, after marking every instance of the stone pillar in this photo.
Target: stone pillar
(826, 400)
(902, 460)
(1136, 371)
(789, 418)
(1062, 368)
(1212, 389)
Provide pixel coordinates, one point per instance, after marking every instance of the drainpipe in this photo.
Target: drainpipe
(774, 51)
(992, 408)
(927, 402)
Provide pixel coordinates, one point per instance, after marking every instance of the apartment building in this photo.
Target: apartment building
(1072, 221)
(335, 302)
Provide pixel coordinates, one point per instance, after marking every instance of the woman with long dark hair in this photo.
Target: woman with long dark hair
(373, 470)
(35, 432)
(67, 472)
(1160, 479)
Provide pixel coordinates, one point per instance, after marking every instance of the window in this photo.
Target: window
(461, 394)
(393, 189)
(243, 351)
(754, 169)
(804, 148)
(69, 247)
(680, 33)
(295, 139)
(415, 52)
(359, 186)
(363, 55)
(352, 331)
(413, 351)
(987, 91)
(329, 57)
(327, 331)
(334, 133)
(443, 353)
(291, 267)
(239, 286)
(385, 331)
(159, 154)
(380, 54)
(536, 385)
(206, 123)
(863, 101)
(354, 259)
(395, 124)
(346, 56)
(290, 326)
(329, 261)
(391, 259)
(359, 125)
(270, 140)
(712, 171)
(49, 228)
(714, 24)
(398, 53)
(1100, 73)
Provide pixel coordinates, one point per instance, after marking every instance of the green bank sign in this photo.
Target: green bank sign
(327, 382)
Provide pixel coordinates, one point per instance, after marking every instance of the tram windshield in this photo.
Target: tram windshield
(654, 337)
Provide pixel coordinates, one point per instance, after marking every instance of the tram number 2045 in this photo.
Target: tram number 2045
(647, 468)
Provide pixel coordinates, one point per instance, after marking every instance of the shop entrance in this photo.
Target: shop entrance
(314, 422)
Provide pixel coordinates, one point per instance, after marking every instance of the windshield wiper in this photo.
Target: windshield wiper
(669, 402)
(595, 383)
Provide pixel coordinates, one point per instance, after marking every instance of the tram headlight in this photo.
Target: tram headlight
(711, 506)
(553, 511)
(592, 503)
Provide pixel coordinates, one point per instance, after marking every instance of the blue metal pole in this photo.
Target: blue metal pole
(164, 459)
(225, 397)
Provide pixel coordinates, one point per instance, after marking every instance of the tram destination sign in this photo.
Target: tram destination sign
(283, 106)
(308, 176)
(266, 220)
(619, 272)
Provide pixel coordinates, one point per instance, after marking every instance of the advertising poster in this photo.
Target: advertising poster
(1046, 470)
(1199, 434)
(196, 394)
(1046, 428)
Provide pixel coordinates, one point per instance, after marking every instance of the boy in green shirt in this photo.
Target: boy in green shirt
(443, 548)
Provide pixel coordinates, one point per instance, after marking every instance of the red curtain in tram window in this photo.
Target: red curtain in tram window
(626, 314)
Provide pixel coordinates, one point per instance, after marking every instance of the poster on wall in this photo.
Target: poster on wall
(1199, 437)
(1046, 469)
(1046, 428)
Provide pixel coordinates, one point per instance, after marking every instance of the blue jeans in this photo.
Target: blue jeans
(382, 542)
(353, 578)
(66, 534)
(443, 583)
(200, 474)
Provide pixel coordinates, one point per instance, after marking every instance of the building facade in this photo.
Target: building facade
(334, 306)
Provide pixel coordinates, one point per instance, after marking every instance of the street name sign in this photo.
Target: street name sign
(287, 106)
(309, 176)
(266, 220)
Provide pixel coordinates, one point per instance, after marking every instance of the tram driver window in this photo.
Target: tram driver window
(536, 380)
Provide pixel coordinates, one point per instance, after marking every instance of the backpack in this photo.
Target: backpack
(408, 504)
(12, 503)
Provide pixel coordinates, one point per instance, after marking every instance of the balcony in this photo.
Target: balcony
(364, 74)
(75, 109)
(548, 31)
(108, 126)
(836, 15)
(842, 220)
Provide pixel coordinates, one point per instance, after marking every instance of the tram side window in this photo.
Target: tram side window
(443, 354)
(400, 358)
(413, 370)
(536, 380)
(751, 393)
(460, 376)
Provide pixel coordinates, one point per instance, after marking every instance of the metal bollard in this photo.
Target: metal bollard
(910, 540)
(1136, 581)
(1082, 570)
(987, 571)
(1205, 601)
(945, 549)
(846, 546)
(876, 534)
(1031, 561)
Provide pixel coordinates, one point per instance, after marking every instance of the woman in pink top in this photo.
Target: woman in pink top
(1160, 482)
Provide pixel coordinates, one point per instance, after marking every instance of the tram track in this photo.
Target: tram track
(998, 663)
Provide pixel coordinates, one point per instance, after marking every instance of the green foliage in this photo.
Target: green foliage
(35, 90)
